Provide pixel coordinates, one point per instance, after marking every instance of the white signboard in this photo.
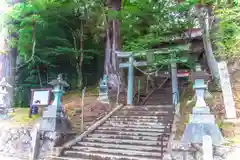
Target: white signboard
(226, 90)
(40, 97)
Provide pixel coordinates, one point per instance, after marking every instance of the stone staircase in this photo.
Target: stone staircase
(131, 133)
(160, 96)
(134, 132)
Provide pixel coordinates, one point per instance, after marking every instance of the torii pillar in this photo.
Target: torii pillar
(175, 92)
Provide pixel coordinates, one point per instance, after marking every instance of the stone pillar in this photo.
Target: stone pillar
(4, 105)
(175, 92)
(53, 116)
(130, 81)
(227, 91)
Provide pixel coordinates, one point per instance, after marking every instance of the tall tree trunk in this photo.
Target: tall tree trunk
(7, 64)
(204, 16)
(115, 75)
(8, 57)
(80, 58)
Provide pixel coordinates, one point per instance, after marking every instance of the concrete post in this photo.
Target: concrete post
(35, 143)
(207, 148)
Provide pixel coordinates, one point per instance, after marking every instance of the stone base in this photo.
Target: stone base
(202, 110)
(59, 124)
(194, 133)
(194, 152)
(202, 118)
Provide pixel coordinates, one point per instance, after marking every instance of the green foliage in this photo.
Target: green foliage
(227, 36)
(145, 24)
(48, 41)
(58, 27)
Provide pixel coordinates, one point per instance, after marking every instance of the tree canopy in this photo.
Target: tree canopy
(69, 36)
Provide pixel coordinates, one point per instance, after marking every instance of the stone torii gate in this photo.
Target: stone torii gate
(130, 65)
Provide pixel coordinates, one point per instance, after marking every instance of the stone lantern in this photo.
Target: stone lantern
(53, 115)
(201, 121)
(103, 90)
(4, 105)
(58, 90)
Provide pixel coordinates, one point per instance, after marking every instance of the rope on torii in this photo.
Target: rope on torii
(148, 74)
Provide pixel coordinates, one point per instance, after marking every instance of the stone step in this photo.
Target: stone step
(142, 123)
(126, 141)
(143, 120)
(118, 125)
(148, 106)
(144, 113)
(163, 90)
(160, 101)
(104, 156)
(63, 158)
(159, 98)
(139, 133)
(121, 146)
(133, 137)
(162, 94)
(147, 109)
(151, 102)
(155, 117)
(117, 151)
(159, 130)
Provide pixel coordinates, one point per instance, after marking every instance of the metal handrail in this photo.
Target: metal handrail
(177, 97)
(174, 105)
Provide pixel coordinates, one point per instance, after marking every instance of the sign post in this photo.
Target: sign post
(40, 98)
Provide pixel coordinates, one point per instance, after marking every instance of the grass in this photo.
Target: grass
(20, 116)
(186, 105)
(235, 139)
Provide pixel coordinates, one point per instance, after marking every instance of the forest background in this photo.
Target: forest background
(42, 38)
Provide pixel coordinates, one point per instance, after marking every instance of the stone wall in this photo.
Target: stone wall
(16, 142)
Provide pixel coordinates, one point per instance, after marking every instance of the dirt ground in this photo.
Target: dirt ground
(93, 110)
